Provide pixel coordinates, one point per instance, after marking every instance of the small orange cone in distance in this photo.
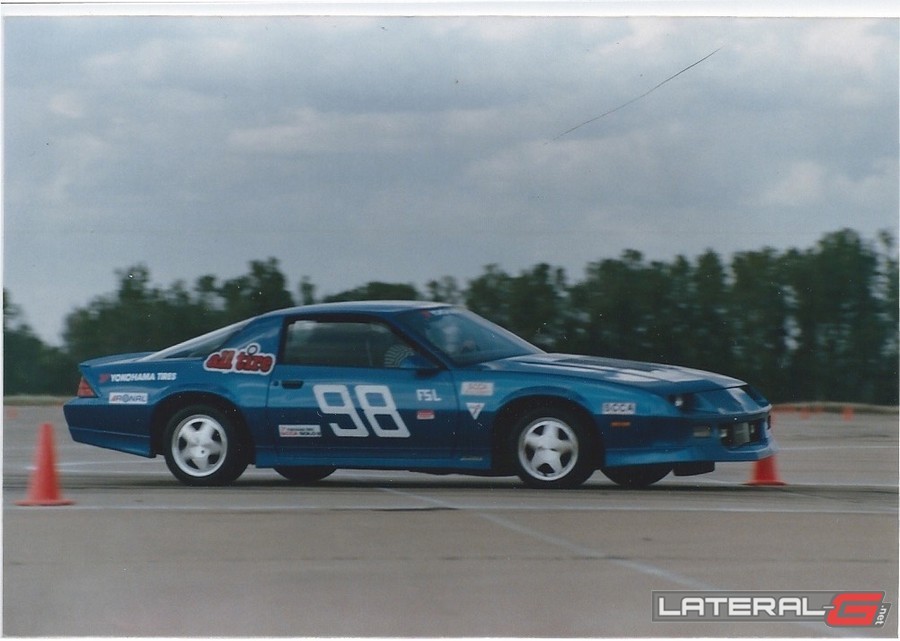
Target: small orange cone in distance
(848, 413)
(43, 488)
(764, 473)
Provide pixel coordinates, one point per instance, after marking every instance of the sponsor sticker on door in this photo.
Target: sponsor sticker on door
(299, 431)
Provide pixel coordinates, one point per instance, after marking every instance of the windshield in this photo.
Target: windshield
(200, 346)
(463, 337)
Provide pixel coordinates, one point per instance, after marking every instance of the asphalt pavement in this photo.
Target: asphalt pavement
(385, 554)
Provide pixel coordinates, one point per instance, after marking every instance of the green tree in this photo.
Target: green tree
(123, 322)
(679, 315)
(21, 351)
(533, 304)
(538, 305)
(489, 295)
(444, 290)
(141, 317)
(758, 320)
(263, 290)
(307, 291)
(614, 311)
(813, 324)
(376, 290)
(887, 385)
(30, 366)
(712, 332)
(841, 330)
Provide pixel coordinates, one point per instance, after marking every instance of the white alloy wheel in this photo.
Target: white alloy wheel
(203, 446)
(199, 446)
(548, 449)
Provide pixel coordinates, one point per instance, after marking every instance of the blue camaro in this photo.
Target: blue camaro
(410, 386)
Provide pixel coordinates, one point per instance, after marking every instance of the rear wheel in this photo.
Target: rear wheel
(304, 474)
(551, 449)
(636, 475)
(203, 447)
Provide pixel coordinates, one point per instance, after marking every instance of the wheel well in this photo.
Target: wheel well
(508, 415)
(169, 406)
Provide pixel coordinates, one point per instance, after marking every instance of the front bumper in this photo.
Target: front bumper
(695, 440)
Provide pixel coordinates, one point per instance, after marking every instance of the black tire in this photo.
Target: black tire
(304, 474)
(203, 447)
(636, 475)
(551, 449)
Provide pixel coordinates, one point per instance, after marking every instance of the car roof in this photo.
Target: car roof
(367, 306)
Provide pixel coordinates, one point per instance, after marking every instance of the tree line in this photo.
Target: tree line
(817, 324)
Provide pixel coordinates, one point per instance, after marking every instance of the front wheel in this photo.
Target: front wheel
(202, 447)
(552, 449)
(636, 475)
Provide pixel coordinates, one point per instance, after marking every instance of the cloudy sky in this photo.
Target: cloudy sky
(405, 149)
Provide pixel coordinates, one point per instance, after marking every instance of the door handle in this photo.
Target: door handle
(290, 384)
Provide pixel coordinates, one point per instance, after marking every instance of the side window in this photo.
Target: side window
(343, 344)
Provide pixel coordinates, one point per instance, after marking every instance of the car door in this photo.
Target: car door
(351, 392)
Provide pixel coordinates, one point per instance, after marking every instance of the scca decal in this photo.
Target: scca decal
(621, 409)
(244, 361)
(477, 388)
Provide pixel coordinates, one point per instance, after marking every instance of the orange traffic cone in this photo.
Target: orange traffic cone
(848, 413)
(43, 488)
(764, 473)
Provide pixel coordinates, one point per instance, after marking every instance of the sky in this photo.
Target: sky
(404, 149)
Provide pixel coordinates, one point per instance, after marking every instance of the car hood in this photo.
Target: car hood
(654, 377)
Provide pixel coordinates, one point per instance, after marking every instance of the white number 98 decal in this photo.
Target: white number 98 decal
(376, 402)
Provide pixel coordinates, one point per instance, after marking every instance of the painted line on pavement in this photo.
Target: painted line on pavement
(641, 567)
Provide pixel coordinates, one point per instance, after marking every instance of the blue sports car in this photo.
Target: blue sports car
(410, 386)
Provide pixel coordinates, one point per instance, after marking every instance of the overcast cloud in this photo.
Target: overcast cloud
(405, 149)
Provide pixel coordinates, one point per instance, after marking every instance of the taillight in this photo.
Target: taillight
(85, 390)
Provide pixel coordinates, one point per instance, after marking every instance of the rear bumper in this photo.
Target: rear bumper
(90, 422)
(128, 443)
